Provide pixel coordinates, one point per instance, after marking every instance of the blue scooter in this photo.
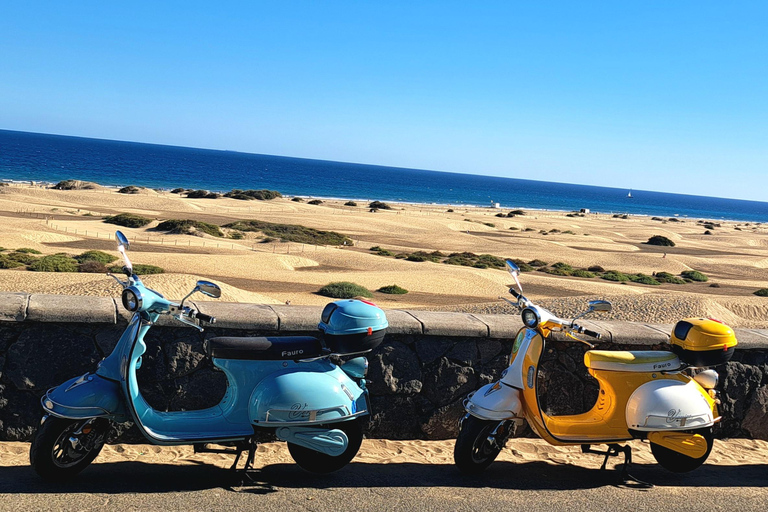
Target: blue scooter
(297, 388)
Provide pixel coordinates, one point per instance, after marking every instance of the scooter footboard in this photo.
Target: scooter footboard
(87, 396)
(306, 398)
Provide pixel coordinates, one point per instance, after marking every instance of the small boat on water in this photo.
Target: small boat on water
(629, 194)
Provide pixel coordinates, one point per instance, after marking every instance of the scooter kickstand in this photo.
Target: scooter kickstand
(613, 451)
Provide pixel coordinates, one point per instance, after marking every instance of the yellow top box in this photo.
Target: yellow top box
(703, 334)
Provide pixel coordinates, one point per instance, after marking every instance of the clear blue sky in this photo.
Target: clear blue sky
(654, 95)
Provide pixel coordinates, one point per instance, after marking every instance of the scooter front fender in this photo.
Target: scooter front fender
(301, 397)
(495, 401)
(669, 405)
(87, 396)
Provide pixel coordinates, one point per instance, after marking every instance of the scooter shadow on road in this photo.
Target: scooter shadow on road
(138, 477)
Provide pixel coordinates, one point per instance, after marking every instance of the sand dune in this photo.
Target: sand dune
(53, 221)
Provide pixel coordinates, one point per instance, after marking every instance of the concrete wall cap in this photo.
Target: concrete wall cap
(440, 323)
(13, 306)
(68, 308)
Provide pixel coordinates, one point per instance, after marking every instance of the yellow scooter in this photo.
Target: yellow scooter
(665, 397)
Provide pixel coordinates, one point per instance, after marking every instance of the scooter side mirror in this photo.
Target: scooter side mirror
(122, 239)
(208, 288)
(602, 306)
(512, 267)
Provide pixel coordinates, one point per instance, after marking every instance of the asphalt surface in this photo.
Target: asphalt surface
(530, 486)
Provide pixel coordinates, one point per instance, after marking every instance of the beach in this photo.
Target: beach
(270, 271)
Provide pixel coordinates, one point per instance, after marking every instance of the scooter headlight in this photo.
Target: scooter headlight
(132, 300)
(530, 318)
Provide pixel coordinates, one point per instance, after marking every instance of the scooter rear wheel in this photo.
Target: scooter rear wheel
(474, 451)
(316, 462)
(677, 462)
(63, 448)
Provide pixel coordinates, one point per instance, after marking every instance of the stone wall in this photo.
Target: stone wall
(418, 377)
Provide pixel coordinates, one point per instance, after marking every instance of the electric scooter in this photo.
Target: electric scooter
(664, 397)
(297, 388)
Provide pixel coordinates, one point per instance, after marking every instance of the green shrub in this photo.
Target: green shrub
(762, 292)
(177, 191)
(643, 279)
(75, 185)
(189, 227)
(596, 268)
(249, 195)
(292, 232)
(24, 258)
(315, 201)
(384, 252)
(202, 194)
(515, 212)
(344, 290)
(666, 277)
(393, 289)
(490, 224)
(582, 273)
(555, 271)
(562, 266)
(694, 275)
(6, 262)
(537, 263)
(378, 205)
(297, 200)
(350, 203)
(523, 266)
(92, 267)
(614, 275)
(491, 261)
(140, 269)
(236, 235)
(375, 248)
(128, 220)
(130, 189)
(417, 257)
(660, 240)
(500, 215)
(55, 263)
(100, 256)
(27, 250)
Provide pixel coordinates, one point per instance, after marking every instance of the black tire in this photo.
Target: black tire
(53, 456)
(473, 452)
(316, 462)
(677, 462)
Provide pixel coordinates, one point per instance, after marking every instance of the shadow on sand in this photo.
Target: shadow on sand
(138, 477)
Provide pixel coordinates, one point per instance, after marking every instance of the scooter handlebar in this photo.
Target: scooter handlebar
(514, 293)
(582, 330)
(206, 318)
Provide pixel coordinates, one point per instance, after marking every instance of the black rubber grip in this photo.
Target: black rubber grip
(514, 293)
(594, 334)
(206, 318)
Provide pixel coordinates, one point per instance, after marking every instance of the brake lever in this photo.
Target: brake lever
(124, 284)
(182, 318)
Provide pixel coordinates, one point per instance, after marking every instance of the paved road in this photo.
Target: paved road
(530, 486)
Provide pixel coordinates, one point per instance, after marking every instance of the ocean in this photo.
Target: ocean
(52, 158)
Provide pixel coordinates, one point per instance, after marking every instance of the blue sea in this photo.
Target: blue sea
(52, 158)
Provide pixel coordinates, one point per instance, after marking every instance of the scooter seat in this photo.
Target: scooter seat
(631, 361)
(265, 349)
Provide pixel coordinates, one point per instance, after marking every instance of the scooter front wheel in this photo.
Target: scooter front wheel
(475, 448)
(62, 448)
(316, 462)
(677, 462)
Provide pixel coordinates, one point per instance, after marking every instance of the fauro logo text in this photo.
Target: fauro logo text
(662, 366)
(292, 353)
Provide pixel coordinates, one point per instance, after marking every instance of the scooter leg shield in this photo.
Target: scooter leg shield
(87, 396)
(303, 397)
(494, 401)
